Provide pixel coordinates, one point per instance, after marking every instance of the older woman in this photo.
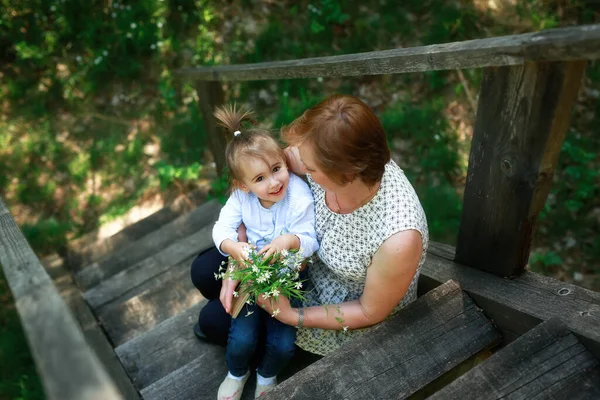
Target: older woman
(371, 227)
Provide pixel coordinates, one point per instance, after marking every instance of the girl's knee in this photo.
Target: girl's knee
(242, 343)
(284, 345)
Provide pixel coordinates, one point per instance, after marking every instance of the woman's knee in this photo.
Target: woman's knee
(202, 273)
(214, 322)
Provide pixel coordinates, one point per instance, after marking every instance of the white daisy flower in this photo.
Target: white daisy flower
(346, 328)
(298, 285)
(275, 312)
(235, 294)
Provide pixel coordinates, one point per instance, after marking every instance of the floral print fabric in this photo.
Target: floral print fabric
(347, 244)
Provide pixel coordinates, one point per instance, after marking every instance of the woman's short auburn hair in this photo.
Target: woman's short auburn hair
(347, 139)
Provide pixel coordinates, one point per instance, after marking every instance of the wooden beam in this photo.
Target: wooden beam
(522, 119)
(153, 242)
(547, 362)
(210, 95)
(574, 43)
(518, 305)
(66, 365)
(169, 294)
(135, 279)
(91, 248)
(400, 356)
(166, 348)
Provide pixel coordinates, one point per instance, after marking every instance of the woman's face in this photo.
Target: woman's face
(311, 167)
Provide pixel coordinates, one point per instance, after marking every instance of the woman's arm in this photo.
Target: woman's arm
(388, 278)
(292, 158)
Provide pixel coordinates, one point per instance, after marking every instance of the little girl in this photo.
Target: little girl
(277, 209)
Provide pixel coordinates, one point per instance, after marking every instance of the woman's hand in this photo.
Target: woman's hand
(226, 294)
(292, 159)
(280, 309)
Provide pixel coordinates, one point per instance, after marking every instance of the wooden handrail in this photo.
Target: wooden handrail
(563, 44)
(68, 368)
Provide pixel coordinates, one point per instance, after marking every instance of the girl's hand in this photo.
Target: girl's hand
(283, 242)
(237, 250)
(286, 313)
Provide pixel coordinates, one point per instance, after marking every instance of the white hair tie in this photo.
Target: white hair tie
(236, 133)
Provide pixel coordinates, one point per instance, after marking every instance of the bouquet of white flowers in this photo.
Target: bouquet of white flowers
(268, 277)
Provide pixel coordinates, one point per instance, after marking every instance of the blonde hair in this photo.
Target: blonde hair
(252, 142)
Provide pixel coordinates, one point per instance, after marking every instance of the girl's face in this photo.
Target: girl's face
(268, 179)
(311, 168)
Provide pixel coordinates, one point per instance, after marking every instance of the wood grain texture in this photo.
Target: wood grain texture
(67, 367)
(400, 356)
(522, 119)
(210, 96)
(150, 244)
(518, 305)
(168, 295)
(574, 43)
(94, 335)
(166, 348)
(125, 284)
(546, 362)
(90, 249)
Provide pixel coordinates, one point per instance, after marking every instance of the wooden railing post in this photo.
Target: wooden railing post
(522, 118)
(210, 95)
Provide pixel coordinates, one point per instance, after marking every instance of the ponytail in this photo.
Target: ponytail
(251, 142)
(231, 118)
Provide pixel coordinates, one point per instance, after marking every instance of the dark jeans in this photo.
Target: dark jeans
(257, 333)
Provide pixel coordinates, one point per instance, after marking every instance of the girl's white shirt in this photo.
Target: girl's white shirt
(294, 214)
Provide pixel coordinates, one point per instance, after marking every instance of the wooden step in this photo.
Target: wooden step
(548, 362)
(393, 360)
(166, 348)
(205, 215)
(133, 280)
(89, 249)
(171, 293)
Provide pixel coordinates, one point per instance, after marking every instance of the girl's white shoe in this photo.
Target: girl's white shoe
(231, 389)
(262, 389)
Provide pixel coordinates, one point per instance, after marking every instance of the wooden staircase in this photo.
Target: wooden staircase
(472, 333)
(144, 301)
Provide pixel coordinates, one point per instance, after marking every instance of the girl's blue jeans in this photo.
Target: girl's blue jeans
(244, 334)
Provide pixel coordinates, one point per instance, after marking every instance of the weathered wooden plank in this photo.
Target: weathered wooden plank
(209, 367)
(89, 249)
(155, 241)
(166, 348)
(171, 293)
(94, 334)
(544, 362)
(401, 355)
(67, 367)
(210, 96)
(522, 119)
(574, 43)
(518, 305)
(117, 287)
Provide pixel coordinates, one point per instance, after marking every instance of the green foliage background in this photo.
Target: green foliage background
(94, 118)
